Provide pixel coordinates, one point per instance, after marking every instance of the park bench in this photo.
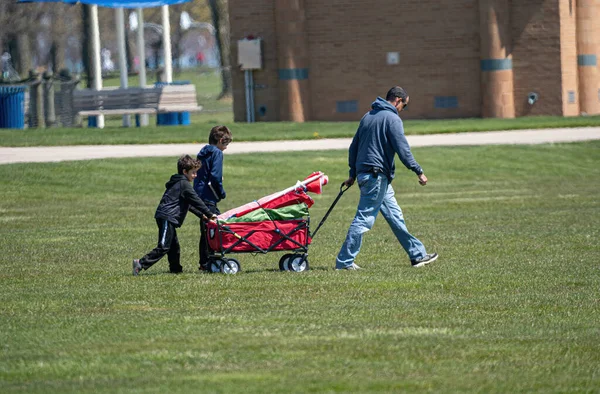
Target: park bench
(135, 100)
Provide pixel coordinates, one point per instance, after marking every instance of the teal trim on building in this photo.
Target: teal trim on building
(287, 74)
(496, 64)
(587, 60)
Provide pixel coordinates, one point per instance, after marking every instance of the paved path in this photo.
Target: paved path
(67, 153)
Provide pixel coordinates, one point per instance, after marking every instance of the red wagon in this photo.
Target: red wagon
(278, 222)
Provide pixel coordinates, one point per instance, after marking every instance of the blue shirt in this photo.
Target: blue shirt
(380, 136)
(209, 182)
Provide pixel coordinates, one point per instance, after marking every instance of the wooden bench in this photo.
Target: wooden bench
(136, 100)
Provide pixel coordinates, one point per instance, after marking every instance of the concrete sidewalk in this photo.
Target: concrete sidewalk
(68, 153)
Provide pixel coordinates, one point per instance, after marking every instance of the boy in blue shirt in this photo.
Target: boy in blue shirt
(209, 182)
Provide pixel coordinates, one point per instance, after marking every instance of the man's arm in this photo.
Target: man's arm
(352, 153)
(398, 140)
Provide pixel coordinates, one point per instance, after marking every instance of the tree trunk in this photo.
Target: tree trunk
(128, 52)
(20, 51)
(58, 36)
(220, 17)
(86, 43)
(57, 55)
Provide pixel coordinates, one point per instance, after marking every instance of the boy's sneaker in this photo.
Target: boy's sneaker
(428, 258)
(352, 267)
(137, 267)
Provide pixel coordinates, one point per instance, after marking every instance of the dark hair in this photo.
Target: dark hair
(187, 162)
(396, 91)
(219, 132)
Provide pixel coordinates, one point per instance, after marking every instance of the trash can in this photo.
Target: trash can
(173, 118)
(184, 118)
(12, 107)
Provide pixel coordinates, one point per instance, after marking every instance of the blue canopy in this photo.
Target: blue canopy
(114, 3)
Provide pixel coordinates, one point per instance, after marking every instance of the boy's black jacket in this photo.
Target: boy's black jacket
(177, 199)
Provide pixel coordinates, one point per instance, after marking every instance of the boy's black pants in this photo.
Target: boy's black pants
(168, 244)
(203, 245)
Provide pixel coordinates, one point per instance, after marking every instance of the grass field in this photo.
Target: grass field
(265, 131)
(512, 305)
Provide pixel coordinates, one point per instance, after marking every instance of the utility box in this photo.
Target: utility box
(250, 54)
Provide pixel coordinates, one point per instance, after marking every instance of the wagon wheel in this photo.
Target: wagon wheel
(230, 266)
(284, 262)
(215, 265)
(298, 263)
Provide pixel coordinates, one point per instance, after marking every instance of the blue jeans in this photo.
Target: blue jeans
(376, 193)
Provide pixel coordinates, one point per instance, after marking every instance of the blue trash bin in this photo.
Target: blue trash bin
(12, 107)
(173, 118)
(184, 118)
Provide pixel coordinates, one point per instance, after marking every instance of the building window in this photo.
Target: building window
(345, 107)
(571, 94)
(446, 102)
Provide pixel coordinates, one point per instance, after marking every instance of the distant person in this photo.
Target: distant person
(200, 58)
(209, 182)
(380, 136)
(170, 214)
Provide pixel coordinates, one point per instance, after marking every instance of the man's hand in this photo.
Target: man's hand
(210, 219)
(422, 179)
(349, 182)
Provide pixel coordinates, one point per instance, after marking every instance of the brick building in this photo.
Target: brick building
(328, 59)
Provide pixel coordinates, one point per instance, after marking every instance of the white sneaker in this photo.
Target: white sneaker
(137, 267)
(428, 258)
(351, 267)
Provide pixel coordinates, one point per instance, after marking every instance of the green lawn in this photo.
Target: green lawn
(263, 131)
(510, 306)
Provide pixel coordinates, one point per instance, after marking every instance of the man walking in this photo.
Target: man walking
(380, 136)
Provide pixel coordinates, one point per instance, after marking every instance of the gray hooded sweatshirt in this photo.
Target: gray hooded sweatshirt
(379, 137)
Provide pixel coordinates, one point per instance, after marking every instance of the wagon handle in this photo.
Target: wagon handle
(342, 191)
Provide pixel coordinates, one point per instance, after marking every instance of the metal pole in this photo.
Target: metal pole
(142, 56)
(96, 57)
(251, 95)
(167, 44)
(248, 105)
(120, 20)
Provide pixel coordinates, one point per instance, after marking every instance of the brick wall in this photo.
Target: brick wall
(439, 55)
(255, 18)
(438, 42)
(536, 56)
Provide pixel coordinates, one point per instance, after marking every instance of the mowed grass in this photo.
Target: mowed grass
(512, 304)
(264, 131)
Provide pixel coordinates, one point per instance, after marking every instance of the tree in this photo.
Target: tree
(220, 17)
(16, 40)
(86, 43)
(58, 33)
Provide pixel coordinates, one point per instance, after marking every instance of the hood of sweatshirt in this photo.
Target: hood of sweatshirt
(174, 179)
(207, 151)
(381, 104)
